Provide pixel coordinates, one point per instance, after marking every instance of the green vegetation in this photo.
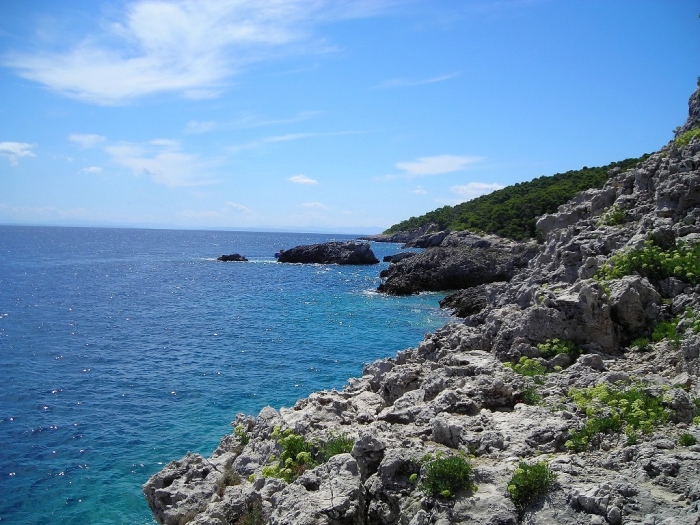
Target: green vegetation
(528, 367)
(514, 210)
(613, 216)
(296, 456)
(529, 482)
(445, 476)
(686, 137)
(337, 444)
(614, 409)
(299, 455)
(553, 347)
(531, 396)
(242, 435)
(642, 344)
(682, 261)
(686, 440)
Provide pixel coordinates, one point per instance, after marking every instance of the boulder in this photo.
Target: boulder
(336, 252)
(234, 257)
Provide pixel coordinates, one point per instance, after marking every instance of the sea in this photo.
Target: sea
(123, 349)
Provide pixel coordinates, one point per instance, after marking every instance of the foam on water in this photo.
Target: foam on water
(123, 349)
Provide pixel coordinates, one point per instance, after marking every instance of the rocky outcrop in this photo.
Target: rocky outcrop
(460, 261)
(406, 237)
(234, 257)
(330, 253)
(452, 394)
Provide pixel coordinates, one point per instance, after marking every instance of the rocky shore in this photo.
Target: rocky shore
(580, 355)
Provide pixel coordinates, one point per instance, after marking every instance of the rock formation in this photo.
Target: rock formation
(459, 260)
(234, 257)
(349, 252)
(515, 380)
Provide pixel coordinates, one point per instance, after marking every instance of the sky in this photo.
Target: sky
(342, 116)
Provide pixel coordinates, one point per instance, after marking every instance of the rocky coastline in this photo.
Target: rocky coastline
(557, 362)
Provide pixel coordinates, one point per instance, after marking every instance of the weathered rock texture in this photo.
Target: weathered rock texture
(457, 260)
(452, 392)
(330, 253)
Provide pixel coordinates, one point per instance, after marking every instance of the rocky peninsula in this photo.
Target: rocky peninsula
(567, 395)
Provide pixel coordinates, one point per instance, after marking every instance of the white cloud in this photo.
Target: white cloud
(188, 47)
(194, 127)
(87, 141)
(238, 207)
(408, 82)
(166, 143)
(316, 205)
(162, 161)
(302, 179)
(419, 191)
(437, 165)
(474, 189)
(15, 150)
(92, 169)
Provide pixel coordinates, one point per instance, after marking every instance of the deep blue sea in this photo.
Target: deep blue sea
(122, 349)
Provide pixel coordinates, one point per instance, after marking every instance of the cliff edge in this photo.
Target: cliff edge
(570, 392)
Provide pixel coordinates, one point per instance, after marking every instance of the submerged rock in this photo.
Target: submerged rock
(349, 252)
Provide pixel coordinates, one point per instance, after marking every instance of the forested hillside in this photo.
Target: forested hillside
(513, 211)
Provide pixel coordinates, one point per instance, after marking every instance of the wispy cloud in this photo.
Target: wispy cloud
(302, 179)
(408, 82)
(195, 127)
(86, 141)
(316, 205)
(286, 138)
(15, 150)
(96, 170)
(188, 47)
(238, 207)
(419, 191)
(437, 165)
(163, 162)
(474, 189)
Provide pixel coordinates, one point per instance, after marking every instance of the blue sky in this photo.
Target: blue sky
(322, 115)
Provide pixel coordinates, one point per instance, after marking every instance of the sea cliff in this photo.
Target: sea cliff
(584, 359)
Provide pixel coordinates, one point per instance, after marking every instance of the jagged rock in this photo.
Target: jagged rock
(452, 393)
(399, 256)
(349, 252)
(234, 257)
(452, 268)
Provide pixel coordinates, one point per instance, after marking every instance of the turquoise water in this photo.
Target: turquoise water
(121, 350)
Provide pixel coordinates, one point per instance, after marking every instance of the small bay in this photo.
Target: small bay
(122, 349)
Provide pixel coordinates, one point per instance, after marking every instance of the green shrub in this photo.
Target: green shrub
(336, 444)
(615, 408)
(686, 137)
(687, 440)
(445, 476)
(613, 216)
(296, 456)
(666, 330)
(553, 347)
(527, 367)
(642, 343)
(242, 435)
(531, 396)
(682, 262)
(529, 482)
